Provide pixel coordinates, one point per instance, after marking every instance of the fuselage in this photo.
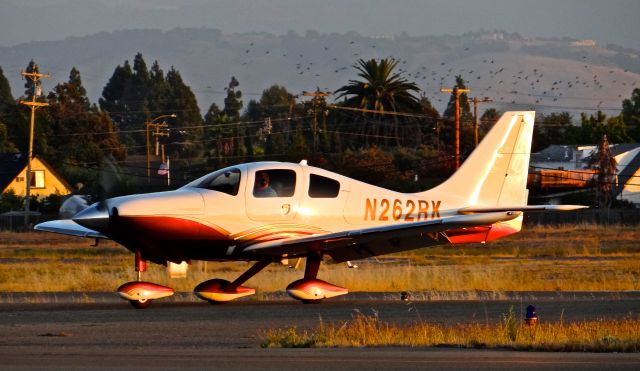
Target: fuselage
(220, 214)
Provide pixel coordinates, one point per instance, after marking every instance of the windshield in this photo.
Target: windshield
(224, 180)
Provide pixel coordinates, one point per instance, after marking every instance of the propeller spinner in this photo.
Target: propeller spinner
(94, 217)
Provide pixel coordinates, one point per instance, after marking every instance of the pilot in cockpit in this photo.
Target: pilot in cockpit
(262, 187)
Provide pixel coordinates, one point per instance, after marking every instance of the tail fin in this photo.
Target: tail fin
(495, 174)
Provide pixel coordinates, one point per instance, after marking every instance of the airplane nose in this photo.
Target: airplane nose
(94, 217)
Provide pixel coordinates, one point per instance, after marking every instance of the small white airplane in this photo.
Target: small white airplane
(271, 211)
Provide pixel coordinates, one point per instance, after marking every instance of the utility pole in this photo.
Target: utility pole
(438, 134)
(152, 125)
(457, 91)
(164, 133)
(35, 77)
(475, 113)
(316, 97)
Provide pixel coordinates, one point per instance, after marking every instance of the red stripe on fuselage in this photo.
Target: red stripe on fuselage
(174, 238)
(168, 228)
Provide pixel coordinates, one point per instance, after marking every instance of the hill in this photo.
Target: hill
(516, 72)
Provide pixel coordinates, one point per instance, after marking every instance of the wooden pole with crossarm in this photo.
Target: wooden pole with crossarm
(316, 97)
(457, 91)
(35, 77)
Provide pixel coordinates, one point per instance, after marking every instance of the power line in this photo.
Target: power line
(391, 113)
(239, 124)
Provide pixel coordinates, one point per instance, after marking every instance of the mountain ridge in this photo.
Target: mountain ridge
(546, 74)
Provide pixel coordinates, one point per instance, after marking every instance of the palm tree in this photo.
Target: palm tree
(381, 90)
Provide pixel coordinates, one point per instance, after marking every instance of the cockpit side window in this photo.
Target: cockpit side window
(323, 187)
(274, 183)
(225, 181)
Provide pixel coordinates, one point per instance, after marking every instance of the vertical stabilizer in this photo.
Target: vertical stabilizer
(495, 174)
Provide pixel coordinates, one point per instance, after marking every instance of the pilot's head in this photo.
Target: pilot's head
(262, 179)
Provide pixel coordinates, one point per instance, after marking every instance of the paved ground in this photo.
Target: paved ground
(100, 332)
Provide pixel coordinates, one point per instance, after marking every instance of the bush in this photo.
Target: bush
(9, 201)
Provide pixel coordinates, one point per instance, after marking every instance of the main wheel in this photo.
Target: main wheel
(140, 303)
(215, 302)
(311, 301)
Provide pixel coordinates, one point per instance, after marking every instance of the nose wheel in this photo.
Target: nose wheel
(140, 303)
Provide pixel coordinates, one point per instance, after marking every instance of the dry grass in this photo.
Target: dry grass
(565, 258)
(369, 331)
(493, 275)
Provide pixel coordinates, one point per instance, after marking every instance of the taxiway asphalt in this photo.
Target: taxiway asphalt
(102, 332)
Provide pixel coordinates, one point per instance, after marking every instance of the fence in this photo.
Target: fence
(14, 221)
(585, 216)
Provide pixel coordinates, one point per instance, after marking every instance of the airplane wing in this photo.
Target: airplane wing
(367, 242)
(68, 227)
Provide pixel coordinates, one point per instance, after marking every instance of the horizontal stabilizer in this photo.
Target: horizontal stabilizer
(68, 227)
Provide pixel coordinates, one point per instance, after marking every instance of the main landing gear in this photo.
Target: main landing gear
(311, 290)
(141, 293)
(308, 289)
(220, 291)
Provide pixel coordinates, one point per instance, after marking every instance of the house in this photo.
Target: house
(567, 167)
(44, 180)
(561, 167)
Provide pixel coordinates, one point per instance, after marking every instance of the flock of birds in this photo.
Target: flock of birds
(586, 81)
(503, 77)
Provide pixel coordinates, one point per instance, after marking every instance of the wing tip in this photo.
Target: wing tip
(68, 227)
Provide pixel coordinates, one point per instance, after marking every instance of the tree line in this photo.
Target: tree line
(381, 128)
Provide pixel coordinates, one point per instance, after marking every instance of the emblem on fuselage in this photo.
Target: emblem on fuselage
(286, 208)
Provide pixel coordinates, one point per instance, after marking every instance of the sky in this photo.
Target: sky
(612, 21)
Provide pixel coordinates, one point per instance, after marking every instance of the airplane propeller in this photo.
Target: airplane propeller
(109, 178)
(97, 215)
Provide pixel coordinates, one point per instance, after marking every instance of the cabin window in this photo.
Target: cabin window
(274, 183)
(323, 187)
(37, 179)
(225, 181)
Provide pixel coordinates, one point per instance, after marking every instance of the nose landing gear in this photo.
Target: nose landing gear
(139, 293)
